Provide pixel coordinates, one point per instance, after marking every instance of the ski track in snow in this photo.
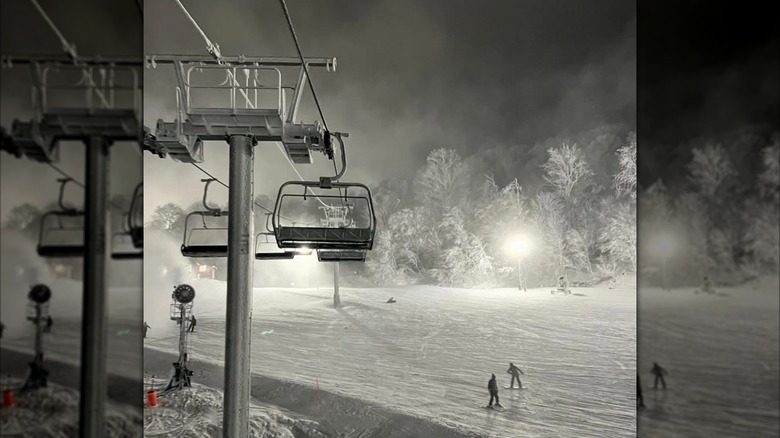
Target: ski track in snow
(722, 355)
(430, 355)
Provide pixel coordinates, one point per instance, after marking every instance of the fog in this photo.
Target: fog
(412, 76)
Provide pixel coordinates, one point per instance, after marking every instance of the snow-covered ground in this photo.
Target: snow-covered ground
(431, 354)
(197, 413)
(722, 355)
(59, 406)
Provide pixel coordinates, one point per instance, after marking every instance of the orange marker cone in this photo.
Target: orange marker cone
(152, 397)
(8, 398)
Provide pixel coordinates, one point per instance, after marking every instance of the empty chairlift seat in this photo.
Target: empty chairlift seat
(267, 249)
(62, 231)
(339, 217)
(206, 232)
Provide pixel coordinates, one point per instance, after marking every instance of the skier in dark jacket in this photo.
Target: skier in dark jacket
(193, 322)
(493, 388)
(49, 323)
(659, 372)
(146, 328)
(515, 372)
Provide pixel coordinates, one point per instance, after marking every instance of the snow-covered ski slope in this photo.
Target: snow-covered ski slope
(431, 354)
(721, 352)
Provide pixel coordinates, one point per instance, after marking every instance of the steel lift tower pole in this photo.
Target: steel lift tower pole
(94, 349)
(239, 286)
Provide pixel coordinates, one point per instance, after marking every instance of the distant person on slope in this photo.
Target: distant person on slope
(49, 323)
(639, 391)
(193, 322)
(493, 389)
(563, 286)
(706, 286)
(146, 328)
(659, 372)
(515, 372)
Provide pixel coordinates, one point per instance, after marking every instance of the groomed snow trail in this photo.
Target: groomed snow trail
(722, 355)
(431, 354)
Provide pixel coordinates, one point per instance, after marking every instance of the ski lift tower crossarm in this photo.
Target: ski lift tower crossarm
(183, 137)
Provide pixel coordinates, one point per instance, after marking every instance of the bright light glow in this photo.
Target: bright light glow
(664, 245)
(519, 245)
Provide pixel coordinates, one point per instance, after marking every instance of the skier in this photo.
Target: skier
(515, 372)
(193, 322)
(493, 389)
(146, 328)
(639, 391)
(659, 372)
(49, 323)
(707, 285)
(563, 287)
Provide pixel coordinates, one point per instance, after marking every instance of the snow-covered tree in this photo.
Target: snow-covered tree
(709, 170)
(443, 182)
(625, 179)
(551, 226)
(566, 170)
(168, 218)
(769, 178)
(619, 237)
(465, 261)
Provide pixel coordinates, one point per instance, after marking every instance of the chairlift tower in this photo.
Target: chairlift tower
(38, 314)
(96, 100)
(236, 107)
(181, 312)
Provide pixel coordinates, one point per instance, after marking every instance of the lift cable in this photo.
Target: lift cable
(303, 62)
(69, 49)
(287, 158)
(78, 183)
(212, 48)
(308, 76)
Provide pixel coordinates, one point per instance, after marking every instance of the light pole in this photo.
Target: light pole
(520, 247)
(664, 247)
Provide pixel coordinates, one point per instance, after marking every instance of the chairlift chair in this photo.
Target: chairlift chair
(62, 231)
(196, 223)
(350, 235)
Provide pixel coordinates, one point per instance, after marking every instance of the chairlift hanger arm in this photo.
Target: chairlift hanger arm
(63, 182)
(213, 210)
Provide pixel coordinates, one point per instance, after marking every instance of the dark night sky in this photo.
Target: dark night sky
(706, 70)
(96, 27)
(412, 76)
